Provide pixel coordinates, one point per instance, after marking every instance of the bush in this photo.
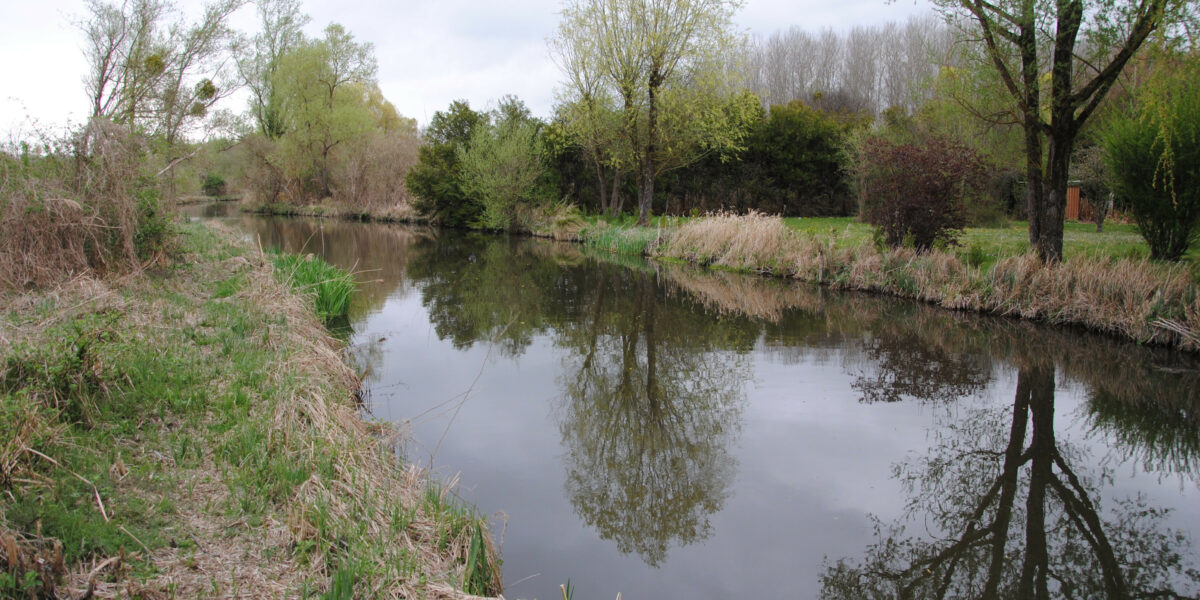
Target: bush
(1153, 156)
(213, 185)
(502, 171)
(77, 205)
(915, 195)
(434, 180)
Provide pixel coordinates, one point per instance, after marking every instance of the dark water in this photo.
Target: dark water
(664, 432)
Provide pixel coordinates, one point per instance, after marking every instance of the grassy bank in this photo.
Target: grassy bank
(1109, 292)
(1105, 284)
(192, 432)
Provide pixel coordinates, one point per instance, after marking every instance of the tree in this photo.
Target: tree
(258, 60)
(145, 72)
(435, 180)
(664, 61)
(502, 168)
(589, 111)
(1026, 42)
(324, 86)
(1153, 155)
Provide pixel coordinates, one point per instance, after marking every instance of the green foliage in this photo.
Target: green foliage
(1154, 156)
(502, 170)
(154, 230)
(800, 148)
(478, 577)
(213, 185)
(435, 180)
(328, 286)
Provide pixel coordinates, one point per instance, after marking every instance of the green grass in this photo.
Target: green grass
(1118, 240)
(329, 287)
(182, 394)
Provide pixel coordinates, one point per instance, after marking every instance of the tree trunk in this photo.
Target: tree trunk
(646, 187)
(1035, 570)
(602, 191)
(616, 204)
(1049, 243)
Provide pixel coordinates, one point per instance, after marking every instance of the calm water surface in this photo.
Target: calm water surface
(665, 432)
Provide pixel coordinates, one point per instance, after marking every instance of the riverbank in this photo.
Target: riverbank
(192, 431)
(1105, 288)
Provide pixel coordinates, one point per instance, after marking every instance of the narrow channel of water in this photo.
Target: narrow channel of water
(665, 432)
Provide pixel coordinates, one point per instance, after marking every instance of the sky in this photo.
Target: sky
(430, 52)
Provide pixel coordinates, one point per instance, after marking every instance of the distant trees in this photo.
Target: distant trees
(664, 65)
(869, 69)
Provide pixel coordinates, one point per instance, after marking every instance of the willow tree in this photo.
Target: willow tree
(324, 86)
(665, 61)
(1079, 48)
(258, 59)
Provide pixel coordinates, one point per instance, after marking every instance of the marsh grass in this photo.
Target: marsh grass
(329, 287)
(1105, 284)
(620, 239)
(194, 434)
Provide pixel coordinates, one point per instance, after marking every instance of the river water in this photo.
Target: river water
(666, 432)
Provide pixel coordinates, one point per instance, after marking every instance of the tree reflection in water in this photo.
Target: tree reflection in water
(1010, 517)
(653, 398)
(649, 414)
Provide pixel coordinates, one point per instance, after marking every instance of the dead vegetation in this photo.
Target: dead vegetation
(79, 206)
(1131, 298)
(258, 478)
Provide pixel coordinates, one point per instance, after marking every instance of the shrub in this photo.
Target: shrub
(77, 205)
(213, 185)
(434, 180)
(1153, 156)
(502, 171)
(915, 194)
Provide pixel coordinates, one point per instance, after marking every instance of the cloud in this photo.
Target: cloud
(429, 53)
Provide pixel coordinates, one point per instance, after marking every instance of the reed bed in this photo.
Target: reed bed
(1132, 298)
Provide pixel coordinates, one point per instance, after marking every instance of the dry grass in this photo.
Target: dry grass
(62, 216)
(359, 512)
(1130, 298)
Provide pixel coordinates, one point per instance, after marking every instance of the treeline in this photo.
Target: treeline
(920, 129)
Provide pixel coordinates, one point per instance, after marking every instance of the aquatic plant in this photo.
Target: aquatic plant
(328, 286)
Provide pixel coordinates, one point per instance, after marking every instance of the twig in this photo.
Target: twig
(135, 538)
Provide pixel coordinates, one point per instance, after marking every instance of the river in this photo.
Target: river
(666, 432)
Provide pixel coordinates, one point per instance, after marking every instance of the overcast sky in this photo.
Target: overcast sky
(430, 52)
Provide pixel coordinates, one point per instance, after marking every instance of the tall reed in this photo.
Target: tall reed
(329, 287)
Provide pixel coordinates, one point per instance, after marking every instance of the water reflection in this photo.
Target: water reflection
(649, 406)
(1023, 442)
(378, 255)
(650, 410)
(1008, 513)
